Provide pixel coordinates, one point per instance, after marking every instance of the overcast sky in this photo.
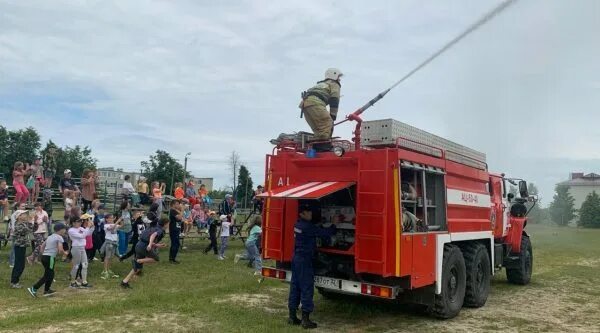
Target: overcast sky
(209, 77)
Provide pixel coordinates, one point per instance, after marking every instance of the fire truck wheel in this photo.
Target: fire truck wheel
(450, 301)
(477, 262)
(521, 273)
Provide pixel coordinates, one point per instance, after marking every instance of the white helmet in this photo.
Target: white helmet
(333, 74)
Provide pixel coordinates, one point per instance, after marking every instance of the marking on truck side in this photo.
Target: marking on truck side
(466, 198)
(397, 216)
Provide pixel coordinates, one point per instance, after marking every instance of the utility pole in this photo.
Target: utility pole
(185, 169)
(172, 178)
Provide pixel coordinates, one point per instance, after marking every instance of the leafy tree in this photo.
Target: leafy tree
(218, 194)
(245, 190)
(21, 145)
(75, 159)
(162, 167)
(562, 208)
(589, 214)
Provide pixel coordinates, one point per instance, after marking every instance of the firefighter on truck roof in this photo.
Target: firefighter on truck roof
(314, 107)
(302, 285)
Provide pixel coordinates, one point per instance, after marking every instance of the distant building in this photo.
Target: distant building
(208, 182)
(580, 185)
(115, 177)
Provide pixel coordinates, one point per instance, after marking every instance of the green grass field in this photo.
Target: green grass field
(203, 294)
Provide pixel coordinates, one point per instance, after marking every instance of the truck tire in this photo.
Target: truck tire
(454, 279)
(521, 272)
(477, 262)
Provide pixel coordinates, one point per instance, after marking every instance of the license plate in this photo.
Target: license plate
(326, 282)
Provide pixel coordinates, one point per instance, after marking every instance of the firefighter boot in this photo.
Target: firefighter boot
(323, 147)
(306, 323)
(293, 319)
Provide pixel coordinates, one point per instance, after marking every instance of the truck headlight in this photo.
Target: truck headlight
(339, 151)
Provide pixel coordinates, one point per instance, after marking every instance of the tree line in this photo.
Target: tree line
(25, 145)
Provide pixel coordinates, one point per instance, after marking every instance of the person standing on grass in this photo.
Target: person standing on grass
(146, 250)
(52, 247)
(252, 253)
(175, 220)
(11, 233)
(110, 245)
(137, 228)
(40, 227)
(98, 234)
(124, 233)
(21, 238)
(4, 199)
(225, 226)
(89, 181)
(78, 235)
(212, 222)
(22, 193)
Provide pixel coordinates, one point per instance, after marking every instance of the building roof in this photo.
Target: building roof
(591, 179)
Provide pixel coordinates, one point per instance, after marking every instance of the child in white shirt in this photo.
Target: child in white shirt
(225, 226)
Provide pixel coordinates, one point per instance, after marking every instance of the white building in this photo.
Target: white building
(580, 185)
(112, 177)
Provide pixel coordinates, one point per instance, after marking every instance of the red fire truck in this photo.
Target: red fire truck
(419, 218)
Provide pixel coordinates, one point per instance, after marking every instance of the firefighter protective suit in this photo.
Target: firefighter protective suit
(314, 104)
(303, 276)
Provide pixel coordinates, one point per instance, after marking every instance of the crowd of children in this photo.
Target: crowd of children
(88, 233)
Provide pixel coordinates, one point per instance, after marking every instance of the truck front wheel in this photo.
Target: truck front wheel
(520, 271)
(479, 272)
(449, 302)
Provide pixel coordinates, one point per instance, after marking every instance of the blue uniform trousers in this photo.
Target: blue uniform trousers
(302, 286)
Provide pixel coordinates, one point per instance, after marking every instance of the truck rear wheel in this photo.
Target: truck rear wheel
(477, 262)
(520, 273)
(450, 301)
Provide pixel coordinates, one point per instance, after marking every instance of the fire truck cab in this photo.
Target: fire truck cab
(418, 218)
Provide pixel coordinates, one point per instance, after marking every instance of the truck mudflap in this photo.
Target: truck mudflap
(338, 285)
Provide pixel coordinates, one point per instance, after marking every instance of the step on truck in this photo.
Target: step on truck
(419, 218)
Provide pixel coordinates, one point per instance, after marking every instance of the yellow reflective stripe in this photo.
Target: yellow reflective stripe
(267, 204)
(397, 216)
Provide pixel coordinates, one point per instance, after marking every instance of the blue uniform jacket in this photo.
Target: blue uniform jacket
(306, 234)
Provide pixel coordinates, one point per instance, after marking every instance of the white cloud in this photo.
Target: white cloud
(211, 77)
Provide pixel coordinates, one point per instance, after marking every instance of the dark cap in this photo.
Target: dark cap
(59, 226)
(304, 208)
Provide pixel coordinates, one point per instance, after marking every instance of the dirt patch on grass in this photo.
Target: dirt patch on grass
(592, 263)
(253, 301)
(164, 322)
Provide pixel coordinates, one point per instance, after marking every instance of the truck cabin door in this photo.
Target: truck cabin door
(498, 214)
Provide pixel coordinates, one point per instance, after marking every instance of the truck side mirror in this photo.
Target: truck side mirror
(523, 189)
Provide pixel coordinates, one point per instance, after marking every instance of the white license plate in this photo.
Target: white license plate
(326, 282)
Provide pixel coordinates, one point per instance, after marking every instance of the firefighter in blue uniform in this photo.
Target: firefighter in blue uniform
(303, 276)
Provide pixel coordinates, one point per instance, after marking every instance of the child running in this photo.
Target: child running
(110, 245)
(252, 254)
(146, 250)
(52, 247)
(78, 235)
(212, 223)
(225, 224)
(138, 228)
(21, 231)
